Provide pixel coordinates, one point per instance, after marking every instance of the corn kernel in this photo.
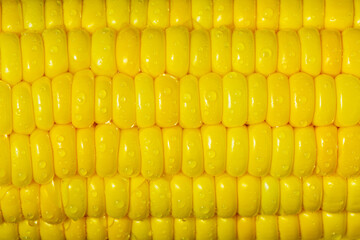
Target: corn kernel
(53, 14)
(312, 193)
(260, 142)
(206, 228)
(266, 51)
(202, 14)
(184, 228)
(6, 121)
(117, 205)
(166, 101)
(267, 227)
(177, 51)
(282, 152)
(42, 103)
(267, 14)
(221, 50)
(158, 13)
(270, 195)
(73, 193)
(50, 202)
(249, 186)
(290, 16)
(5, 161)
(180, 15)
(93, 15)
(129, 163)
(138, 13)
(335, 193)
(257, 101)
(32, 54)
(75, 229)
(226, 200)
(160, 198)
(325, 100)
(107, 138)
(190, 116)
(79, 50)
(305, 151)
(172, 140)
(331, 52)
(85, 151)
(226, 228)
(117, 13)
(237, 152)
(123, 101)
(21, 171)
(152, 157)
(153, 51)
(291, 195)
(339, 16)
(72, 10)
(243, 51)
(145, 100)
(181, 196)
(63, 140)
(334, 224)
(95, 197)
(96, 228)
(41, 156)
(278, 102)
(313, 13)
(301, 99)
(12, 16)
(200, 52)
(204, 198)
(192, 153)
(139, 201)
(82, 108)
(289, 52)
(11, 68)
(128, 51)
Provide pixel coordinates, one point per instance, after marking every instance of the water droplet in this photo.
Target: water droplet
(102, 147)
(187, 97)
(192, 163)
(65, 171)
(167, 91)
(61, 152)
(211, 153)
(22, 176)
(102, 94)
(83, 171)
(119, 204)
(329, 151)
(73, 209)
(139, 194)
(266, 53)
(60, 138)
(42, 164)
(211, 96)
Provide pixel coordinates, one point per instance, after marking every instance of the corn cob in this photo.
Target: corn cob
(221, 123)
(91, 15)
(233, 100)
(309, 225)
(180, 196)
(155, 51)
(105, 150)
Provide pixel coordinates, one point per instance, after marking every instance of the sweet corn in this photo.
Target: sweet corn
(167, 119)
